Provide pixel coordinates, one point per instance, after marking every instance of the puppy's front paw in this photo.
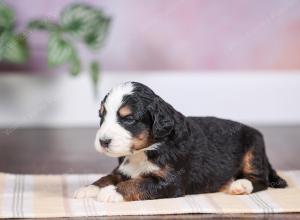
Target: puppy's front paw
(240, 187)
(86, 192)
(109, 194)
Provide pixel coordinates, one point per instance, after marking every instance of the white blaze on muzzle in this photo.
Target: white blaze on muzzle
(121, 139)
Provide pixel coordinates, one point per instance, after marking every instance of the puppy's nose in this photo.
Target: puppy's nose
(105, 142)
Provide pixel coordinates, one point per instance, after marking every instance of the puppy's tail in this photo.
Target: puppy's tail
(275, 181)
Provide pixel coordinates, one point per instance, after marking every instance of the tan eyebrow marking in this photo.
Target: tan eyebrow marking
(125, 111)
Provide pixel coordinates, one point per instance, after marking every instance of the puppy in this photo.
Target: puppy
(164, 154)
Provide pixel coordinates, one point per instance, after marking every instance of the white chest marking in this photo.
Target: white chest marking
(137, 164)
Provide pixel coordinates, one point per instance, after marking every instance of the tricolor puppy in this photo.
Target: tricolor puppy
(164, 154)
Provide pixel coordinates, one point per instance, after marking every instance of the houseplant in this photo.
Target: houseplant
(78, 24)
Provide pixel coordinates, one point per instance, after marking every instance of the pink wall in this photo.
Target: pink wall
(186, 35)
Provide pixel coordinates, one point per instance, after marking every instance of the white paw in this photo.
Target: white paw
(109, 194)
(86, 192)
(240, 187)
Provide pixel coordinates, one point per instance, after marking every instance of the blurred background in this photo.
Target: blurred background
(232, 59)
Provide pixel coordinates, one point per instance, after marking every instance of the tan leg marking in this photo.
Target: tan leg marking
(130, 190)
(247, 167)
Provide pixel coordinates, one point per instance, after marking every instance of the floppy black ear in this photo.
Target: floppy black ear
(161, 114)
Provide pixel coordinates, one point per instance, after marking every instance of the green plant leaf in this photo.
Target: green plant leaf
(16, 49)
(13, 47)
(95, 75)
(4, 38)
(43, 25)
(77, 19)
(95, 38)
(94, 71)
(85, 23)
(74, 65)
(7, 18)
(60, 50)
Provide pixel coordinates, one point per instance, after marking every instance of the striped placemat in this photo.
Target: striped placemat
(39, 196)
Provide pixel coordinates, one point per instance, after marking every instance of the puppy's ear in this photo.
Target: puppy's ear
(161, 113)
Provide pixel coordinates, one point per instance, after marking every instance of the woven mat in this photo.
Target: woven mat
(38, 196)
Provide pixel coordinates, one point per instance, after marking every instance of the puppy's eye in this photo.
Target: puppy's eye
(129, 119)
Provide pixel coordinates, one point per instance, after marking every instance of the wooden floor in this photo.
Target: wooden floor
(54, 151)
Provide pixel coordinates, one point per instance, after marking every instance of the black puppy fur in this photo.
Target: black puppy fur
(195, 154)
